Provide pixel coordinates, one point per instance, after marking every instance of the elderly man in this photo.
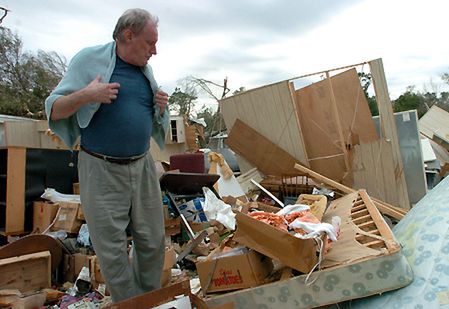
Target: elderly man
(110, 98)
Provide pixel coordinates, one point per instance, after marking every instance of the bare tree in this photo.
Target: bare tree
(5, 12)
(207, 86)
(26, 78)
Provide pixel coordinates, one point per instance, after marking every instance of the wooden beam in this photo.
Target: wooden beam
(15, 190)
(388, 128)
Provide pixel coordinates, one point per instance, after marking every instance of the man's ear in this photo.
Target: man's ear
(128, 35)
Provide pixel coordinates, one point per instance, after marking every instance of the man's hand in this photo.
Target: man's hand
(161, 100)
(100, 92)
(67, 105)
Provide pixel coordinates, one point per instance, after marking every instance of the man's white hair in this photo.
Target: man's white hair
(135, 20)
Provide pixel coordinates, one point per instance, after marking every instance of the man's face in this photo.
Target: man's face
(143, 45)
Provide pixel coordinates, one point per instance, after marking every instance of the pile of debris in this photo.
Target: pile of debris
(307, 222)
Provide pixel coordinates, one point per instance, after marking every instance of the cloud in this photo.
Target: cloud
(254, 42)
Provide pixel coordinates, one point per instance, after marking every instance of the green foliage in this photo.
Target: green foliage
(410, 101)
(26, 79)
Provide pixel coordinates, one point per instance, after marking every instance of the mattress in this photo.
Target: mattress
(424, 235)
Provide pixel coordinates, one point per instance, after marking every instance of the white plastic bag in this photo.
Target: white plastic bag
(54, 196)
(216, 209)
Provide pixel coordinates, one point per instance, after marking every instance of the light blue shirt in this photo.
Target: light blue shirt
(84, 67)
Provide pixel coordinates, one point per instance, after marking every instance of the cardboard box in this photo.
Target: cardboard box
(67, 219)
(68, 268)
(232, 272)
(193, 210)
(73, 264)
(43, 215)
(299, 254)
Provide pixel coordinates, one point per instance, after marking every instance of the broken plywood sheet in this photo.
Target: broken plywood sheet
(269, 110)
(321, 126)
(441, 136)
(435, 118)
(269, 158)
(440, 152)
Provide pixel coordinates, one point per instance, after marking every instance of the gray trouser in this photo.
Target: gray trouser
(113, 197)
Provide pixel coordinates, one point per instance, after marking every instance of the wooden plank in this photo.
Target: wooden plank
(154, 298)
(253, 108)
(21, 134)
(259, 151)
(383, 207)
(15, 190)
(388, 129)
(26, 273)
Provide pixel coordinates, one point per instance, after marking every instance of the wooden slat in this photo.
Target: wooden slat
(375, 243)
(357, 208)
(365, 224)
(359, 213)
(15, 190)
(362, 219)
(388, 129)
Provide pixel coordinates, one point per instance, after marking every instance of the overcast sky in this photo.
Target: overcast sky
(255, 42)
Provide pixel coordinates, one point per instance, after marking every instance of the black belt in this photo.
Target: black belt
(116, 160)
